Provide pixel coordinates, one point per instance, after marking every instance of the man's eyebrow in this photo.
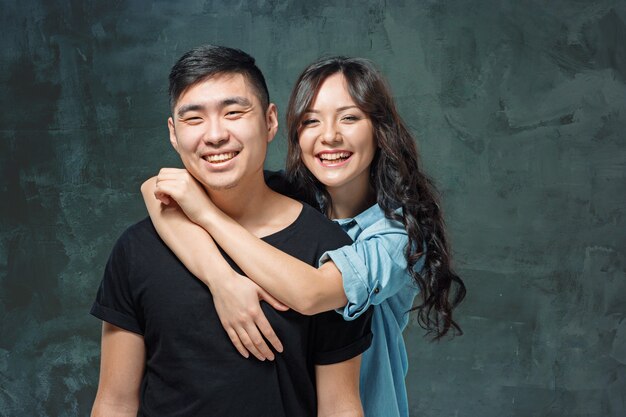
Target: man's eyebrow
(242, 101)
(189, 107)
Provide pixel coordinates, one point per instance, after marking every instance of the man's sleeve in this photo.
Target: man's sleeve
(114, 301)
(337, 340)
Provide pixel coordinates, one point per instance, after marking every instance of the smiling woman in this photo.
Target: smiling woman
(338, 146)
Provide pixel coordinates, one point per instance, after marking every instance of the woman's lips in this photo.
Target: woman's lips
(334, 159)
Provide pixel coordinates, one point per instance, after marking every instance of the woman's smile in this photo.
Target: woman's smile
(337, 139)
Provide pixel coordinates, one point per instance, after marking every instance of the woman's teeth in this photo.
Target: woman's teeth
(222, 157)
(335, 157)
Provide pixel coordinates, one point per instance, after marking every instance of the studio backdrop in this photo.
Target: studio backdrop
(519, 109)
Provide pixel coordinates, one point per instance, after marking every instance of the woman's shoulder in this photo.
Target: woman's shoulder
(374, 222)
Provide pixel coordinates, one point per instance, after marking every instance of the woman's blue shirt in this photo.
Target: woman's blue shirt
(374, 273)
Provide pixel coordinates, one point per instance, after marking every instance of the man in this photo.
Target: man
(164, 351)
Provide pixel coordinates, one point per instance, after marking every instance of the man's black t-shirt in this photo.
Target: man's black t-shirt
(192, 368)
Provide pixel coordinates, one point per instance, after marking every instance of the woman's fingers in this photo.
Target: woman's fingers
(277, 305)
(266, 329)
(234, 338)
(248, 344)
(259, 342)
(162, 197)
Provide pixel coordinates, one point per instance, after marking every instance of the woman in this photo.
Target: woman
(349, 151)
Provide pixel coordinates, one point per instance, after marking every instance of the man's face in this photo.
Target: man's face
(221, 132)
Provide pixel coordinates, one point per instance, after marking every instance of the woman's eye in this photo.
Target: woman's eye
(350, 118)
(308, 122)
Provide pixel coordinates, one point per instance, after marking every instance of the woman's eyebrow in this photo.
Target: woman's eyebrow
(340, 109)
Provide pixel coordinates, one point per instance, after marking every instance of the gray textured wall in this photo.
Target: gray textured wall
(520, 111)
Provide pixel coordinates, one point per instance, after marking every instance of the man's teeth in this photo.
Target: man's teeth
(220, 157)
(334, 156)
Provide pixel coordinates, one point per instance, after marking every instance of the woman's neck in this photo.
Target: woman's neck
(348, 203)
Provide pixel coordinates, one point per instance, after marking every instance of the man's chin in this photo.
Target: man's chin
(213, 182)
(219, 186)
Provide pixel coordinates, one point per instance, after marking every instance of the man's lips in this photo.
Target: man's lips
(217, 158)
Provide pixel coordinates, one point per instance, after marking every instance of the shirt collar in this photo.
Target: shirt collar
(364, 219)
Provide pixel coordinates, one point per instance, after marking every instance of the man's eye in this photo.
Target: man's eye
(193, 120)
(234, 113)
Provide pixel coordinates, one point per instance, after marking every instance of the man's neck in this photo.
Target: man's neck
(244, 201)
(256, 207)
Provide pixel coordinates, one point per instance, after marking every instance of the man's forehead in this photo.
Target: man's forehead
(216, 87)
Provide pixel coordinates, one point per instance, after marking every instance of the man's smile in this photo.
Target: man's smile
(220, 157)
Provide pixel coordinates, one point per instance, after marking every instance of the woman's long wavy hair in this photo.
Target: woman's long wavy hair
(396, 178)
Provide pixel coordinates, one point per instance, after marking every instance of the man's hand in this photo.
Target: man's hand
(179, 185)
(236, 300)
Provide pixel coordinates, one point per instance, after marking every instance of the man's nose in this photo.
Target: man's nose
(216, 134)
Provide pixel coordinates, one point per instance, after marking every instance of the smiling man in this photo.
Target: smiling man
(164, 350)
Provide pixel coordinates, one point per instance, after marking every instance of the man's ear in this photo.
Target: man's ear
(271, 118)
(173, 140)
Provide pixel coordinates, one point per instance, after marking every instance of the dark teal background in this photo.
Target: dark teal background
(519, 108)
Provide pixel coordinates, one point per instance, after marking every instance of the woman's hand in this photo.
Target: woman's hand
(236, 298)
(237, 303)
(179, 185)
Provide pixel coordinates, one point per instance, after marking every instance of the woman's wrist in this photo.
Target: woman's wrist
(214, 279)
(208, 218)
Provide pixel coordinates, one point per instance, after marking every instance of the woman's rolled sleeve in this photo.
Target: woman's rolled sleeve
(373, 269)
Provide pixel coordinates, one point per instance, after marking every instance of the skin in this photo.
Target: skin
(221, 132)
(121, 367)
(333, 125)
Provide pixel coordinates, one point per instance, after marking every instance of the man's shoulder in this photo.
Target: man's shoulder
(140, 232)
(309, 236)
(281, 183)
(314, 224)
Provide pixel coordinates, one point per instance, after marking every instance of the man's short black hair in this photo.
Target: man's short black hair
(207, 61)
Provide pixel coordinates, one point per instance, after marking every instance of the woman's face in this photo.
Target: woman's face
(337, 140)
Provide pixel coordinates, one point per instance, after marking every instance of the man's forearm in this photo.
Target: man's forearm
(103, 408)
(338, 389)
(343, 413)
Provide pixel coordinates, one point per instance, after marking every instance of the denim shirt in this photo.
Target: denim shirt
(374, 273)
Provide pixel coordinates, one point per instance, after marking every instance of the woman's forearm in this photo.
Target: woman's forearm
(295, 283)
(190, 243)
(300, 286)
(236, 299)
